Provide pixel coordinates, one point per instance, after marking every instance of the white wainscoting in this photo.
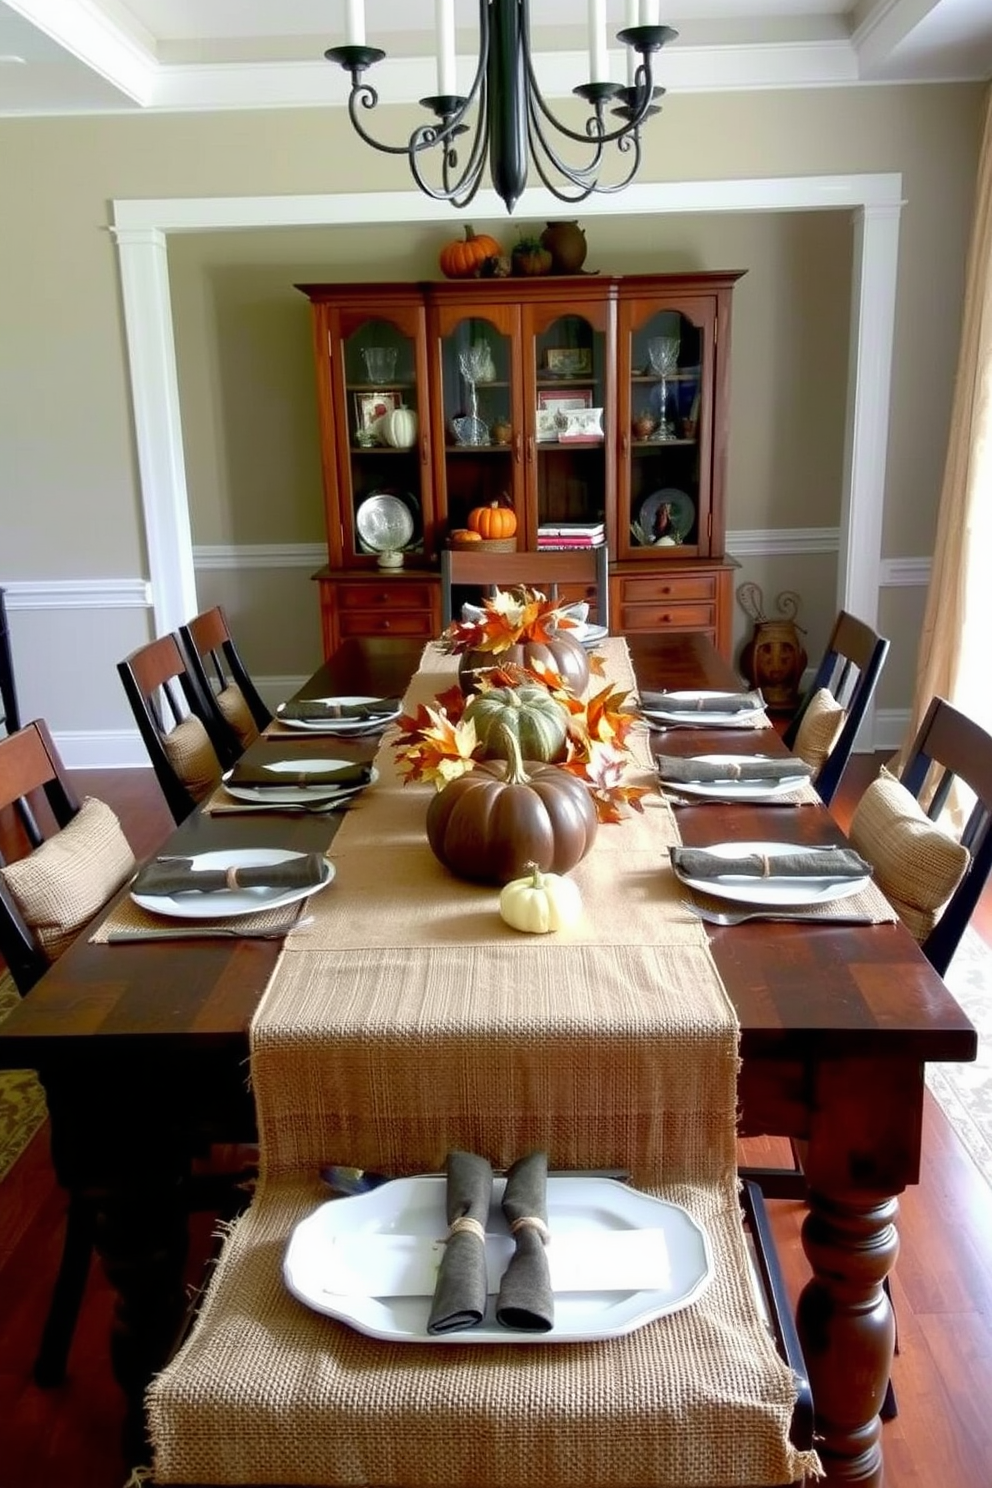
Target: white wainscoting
(121, 749)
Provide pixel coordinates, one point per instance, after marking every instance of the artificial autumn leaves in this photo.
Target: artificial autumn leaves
(439, 742)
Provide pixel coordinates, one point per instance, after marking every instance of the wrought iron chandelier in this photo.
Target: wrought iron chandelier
(513, 123)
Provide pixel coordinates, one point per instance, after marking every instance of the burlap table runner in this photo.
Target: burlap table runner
(405, 1020)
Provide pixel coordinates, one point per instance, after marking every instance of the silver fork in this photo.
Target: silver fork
(203, 932)
(739, 916)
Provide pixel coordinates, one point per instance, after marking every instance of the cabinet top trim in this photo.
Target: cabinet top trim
(517, 287)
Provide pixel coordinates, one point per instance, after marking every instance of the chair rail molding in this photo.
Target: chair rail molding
(141, 228)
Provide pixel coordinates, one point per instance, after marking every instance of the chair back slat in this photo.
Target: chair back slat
(961, 751)
(31, 772)
(546, 571)
(849, 670)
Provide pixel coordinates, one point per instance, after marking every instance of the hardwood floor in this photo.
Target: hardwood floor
(942, 1285)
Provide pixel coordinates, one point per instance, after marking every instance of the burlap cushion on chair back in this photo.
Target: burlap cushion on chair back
(193, 757)
(917, 864)
(236, 711)
(69, 878)
(819, 730)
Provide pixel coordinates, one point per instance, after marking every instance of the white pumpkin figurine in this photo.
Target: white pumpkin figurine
(540, 902)
(398, 428)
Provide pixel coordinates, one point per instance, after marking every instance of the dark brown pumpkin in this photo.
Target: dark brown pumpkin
(489, 824)
(563, 653)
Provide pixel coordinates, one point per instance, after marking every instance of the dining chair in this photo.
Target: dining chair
(10, 717)
(932, 874)
(61, 866)
(187, 749)
(223, 679)
(585, 572)
(825, 726)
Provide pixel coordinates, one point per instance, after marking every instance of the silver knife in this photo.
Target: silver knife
(203, 932)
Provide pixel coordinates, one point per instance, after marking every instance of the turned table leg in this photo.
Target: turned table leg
(847, 1328)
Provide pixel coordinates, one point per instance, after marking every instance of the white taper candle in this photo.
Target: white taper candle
(355, 23)
(650, 12)
(444, 12)
(630, 20)
(599, 66)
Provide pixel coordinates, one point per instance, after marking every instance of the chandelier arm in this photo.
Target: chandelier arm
(542, 152)
(595, 127)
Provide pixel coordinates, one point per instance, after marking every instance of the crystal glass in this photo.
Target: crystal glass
(380, 363)
(663, 355)
(476, 365)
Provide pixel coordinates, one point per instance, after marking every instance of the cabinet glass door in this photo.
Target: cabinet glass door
(481, 437)
(567, 455)
(383, 452)
(665, 477)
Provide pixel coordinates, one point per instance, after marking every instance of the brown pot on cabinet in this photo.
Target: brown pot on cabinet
(566, 242)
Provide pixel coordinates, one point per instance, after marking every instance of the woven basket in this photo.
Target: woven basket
(485, 545)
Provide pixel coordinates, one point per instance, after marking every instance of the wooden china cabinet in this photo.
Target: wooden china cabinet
(577, 400)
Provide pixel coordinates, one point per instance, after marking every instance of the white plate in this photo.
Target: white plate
(340, 726)
(384, 522)
(693, 716)
(787, 891)
(296, 795)
(226, 903)
(735, 790)
(416, 1206)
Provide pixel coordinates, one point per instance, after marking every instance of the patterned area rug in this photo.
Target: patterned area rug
(964, 1091)
(22, 1100)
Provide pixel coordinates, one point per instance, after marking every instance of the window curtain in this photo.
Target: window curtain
(953, 659)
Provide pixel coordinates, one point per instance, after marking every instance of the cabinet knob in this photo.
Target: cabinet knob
(383, 598)
(666, 588)
(384, 624)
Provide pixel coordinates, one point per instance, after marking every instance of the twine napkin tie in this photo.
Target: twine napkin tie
(833, 862)
(460, 1292)
(178, 876)
(526, 1301)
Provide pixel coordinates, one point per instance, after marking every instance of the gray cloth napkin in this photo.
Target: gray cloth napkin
(833, 862)
(177, 876)
(703, 772)
(718, 702)
(258, 776)
(526, 1301)
(321, 709)
(460, 1292)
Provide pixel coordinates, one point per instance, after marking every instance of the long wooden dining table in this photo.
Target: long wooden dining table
(143, 1051)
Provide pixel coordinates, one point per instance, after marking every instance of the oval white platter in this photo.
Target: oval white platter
(226, 903)
(416, 1207)
(340, 726)
(735, 790)
(297, 795)
(771, 892)
(709, 719)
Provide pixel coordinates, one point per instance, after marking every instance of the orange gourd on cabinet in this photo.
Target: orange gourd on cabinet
(493, 520)
(462, 258)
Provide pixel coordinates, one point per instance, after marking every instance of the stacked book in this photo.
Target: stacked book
(571, 535)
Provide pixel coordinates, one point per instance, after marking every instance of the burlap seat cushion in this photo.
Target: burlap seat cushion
(237, 713)
(917, 864)
(194, 759)
(819, 729)
(64, 882)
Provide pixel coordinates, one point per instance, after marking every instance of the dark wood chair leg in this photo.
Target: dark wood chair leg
(67, 1296)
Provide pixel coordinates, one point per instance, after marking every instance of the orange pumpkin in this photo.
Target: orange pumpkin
(461, 258)
(493, 520)
(461, 537)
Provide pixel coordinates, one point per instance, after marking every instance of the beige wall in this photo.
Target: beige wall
(69, 496)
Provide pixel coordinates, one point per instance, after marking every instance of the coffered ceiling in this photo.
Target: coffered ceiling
(107, 56)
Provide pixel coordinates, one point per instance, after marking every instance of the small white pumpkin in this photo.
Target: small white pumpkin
(540, 902)
(398, 428)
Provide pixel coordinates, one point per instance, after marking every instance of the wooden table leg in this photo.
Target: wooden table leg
(847, 1328)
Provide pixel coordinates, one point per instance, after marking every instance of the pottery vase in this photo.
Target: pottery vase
(774, 659)
(566, 242)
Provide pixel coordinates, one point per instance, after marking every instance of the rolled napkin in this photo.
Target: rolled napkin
(526, 1301)
(714, 702)
(178, 876)
(258, 776)
(826, 862)
(460, 1292)
(703, 772)
(320, 709)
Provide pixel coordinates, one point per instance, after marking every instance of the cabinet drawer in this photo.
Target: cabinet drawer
(669, 588)
(386, 622)
(383, 595)
(668, 617)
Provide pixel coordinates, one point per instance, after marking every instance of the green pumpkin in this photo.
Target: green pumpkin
(538, 723)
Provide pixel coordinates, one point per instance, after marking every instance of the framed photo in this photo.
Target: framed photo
(565, 402)
(570, 361)
(371, 406)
